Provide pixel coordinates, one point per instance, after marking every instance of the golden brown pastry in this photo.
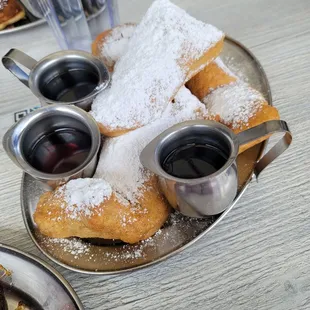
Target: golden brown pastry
(264, 114)
(240, 107)
(230, 100)
(215, 75)
(166, 49)
(11, 13)
(111, 44)
(89, 208)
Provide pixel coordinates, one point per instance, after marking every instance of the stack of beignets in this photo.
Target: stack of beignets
(144, 99)
(135, 209)
(166, 49)
(215, 76)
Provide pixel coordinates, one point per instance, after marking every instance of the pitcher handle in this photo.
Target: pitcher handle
(14, 56)
(266, 129)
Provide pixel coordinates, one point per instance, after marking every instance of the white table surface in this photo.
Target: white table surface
(258, 257)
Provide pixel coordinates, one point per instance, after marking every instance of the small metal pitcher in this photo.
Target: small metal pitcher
(211, 194)
(22, 140)
(65, 77)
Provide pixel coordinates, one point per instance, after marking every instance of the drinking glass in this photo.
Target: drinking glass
(75, 23)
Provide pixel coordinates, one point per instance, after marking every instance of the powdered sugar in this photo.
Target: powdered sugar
(171, 235)
(74, 246)
(185, 107)
(116, 43)
(82, 250)
(220, 63)
(119, 162)
(237, 68)
(235, 103)
(82, 196)
(154, 67)
(122, 200)
(126, 254)
(176, 226)
(132, 252)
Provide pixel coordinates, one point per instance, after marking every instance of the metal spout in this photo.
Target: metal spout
(9, 143)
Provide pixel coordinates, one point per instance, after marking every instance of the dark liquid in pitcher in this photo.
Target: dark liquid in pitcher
(70, 86)
(194, 161)
(60, 151)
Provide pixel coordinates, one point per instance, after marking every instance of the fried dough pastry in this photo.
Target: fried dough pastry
(111, 44)
(11, 13)
(123, 200)
(88, 208)
(231, 101)
(215, 75)
(240, 107)
(119, 162)
(264, 114)
(167, 48)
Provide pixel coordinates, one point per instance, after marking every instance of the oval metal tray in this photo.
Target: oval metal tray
(27, 279)
(107, 257)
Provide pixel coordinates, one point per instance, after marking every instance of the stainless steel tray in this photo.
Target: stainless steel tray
(107, 257)
(27, 279)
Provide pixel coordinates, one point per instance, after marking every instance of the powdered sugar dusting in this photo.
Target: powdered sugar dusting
(235, 103)
(153, 68)
(80, 249)
(185, 107)
(126, 254)
(73, 246)
(119, 162)
(116, 43)
(236, 67)
(171, 234)
(220, 63)
(82, 196)
(122, 200)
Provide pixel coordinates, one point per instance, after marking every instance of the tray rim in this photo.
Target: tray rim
(198, 237)
(46, 267)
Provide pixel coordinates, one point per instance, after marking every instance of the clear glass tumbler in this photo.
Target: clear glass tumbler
(75, 23)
